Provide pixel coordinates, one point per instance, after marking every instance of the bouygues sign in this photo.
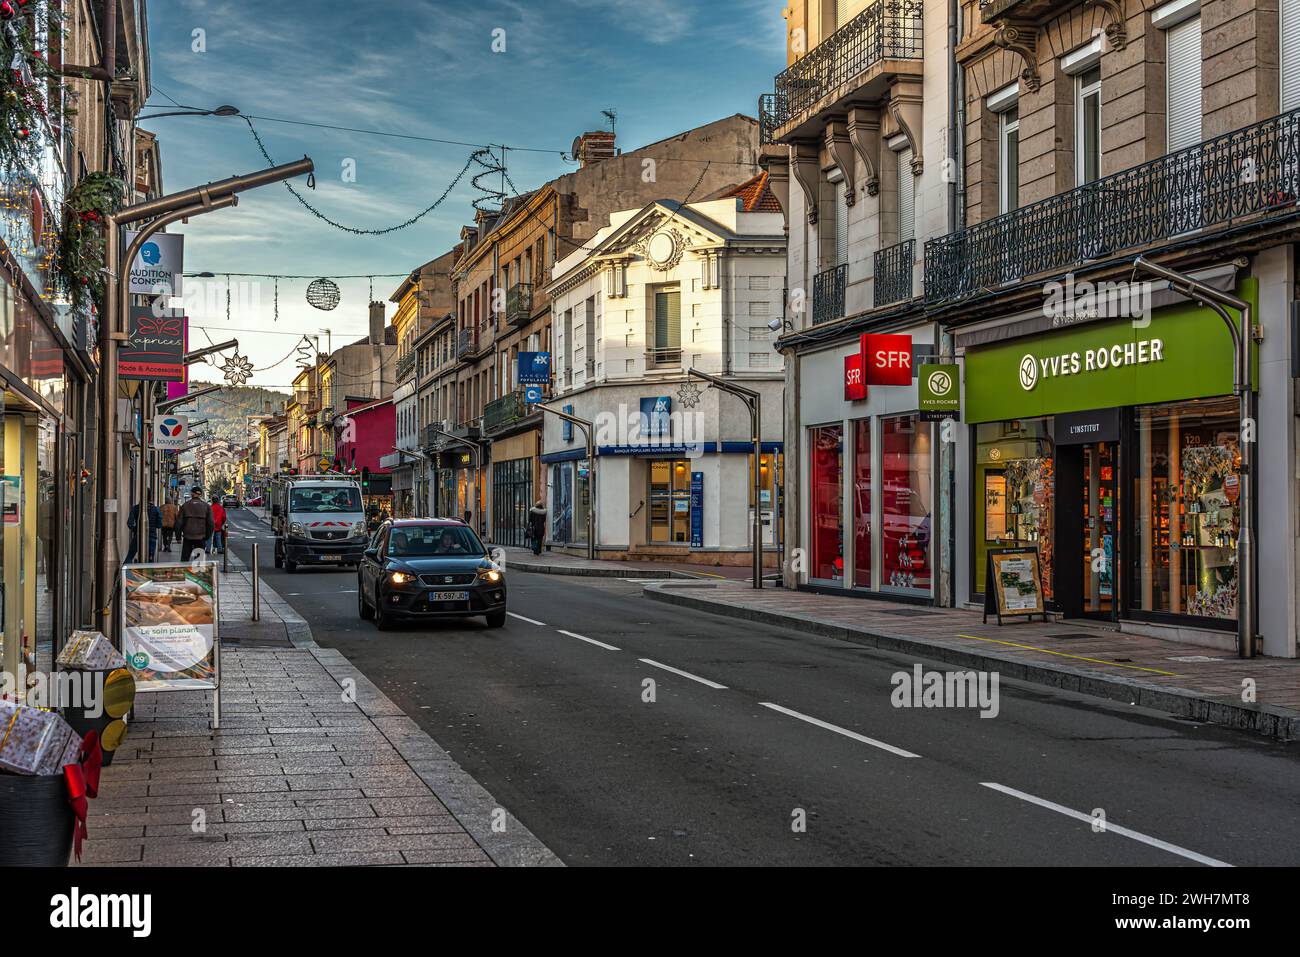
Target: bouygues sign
(1182, 352)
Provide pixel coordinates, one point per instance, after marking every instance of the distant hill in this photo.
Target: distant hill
(225, 410)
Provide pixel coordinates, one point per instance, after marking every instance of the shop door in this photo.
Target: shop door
(1099, 493)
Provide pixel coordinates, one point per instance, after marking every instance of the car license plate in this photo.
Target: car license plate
(437, 597)
(331, 558)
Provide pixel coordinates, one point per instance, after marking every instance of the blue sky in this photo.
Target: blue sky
(423, 68)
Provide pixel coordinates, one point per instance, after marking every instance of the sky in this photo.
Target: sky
(529, 75)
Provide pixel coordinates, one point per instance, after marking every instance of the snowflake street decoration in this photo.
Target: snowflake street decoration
(237, 369)
(689, 395)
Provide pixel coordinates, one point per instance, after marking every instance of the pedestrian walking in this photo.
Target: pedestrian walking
(537, 526)
(218, 525)
(194, 524)
(133, 523)
(169, 512)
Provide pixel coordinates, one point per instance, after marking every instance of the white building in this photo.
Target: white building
(657, 292)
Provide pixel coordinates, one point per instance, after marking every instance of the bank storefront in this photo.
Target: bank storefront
(869, 461)
(1112, 447)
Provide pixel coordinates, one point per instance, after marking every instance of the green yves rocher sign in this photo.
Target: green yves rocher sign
(938, 391)
(1180, 352)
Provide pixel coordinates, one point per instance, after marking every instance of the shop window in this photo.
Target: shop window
(669, 498)
(768, 470)
(1015, 485)
(862, 503)
(1188, 491)
(827, 515)
(906, 503)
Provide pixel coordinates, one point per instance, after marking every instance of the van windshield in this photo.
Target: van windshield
(325, 500)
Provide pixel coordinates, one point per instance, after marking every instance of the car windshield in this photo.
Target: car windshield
(428, 541)
(325, 500)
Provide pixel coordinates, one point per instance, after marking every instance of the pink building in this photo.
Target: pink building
(364, 434)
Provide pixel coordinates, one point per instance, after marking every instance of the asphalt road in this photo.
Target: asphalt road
(766, 729)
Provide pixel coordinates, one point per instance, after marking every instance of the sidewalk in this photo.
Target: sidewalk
(1186, 680)
(313, 765)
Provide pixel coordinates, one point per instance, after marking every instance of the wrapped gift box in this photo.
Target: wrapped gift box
(33, 741)
(90, 651)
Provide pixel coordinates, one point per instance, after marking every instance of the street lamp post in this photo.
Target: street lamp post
(753, 401)
(161, 211)
(1243, 340)
(588, 430)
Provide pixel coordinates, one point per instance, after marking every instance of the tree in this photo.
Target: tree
(216, 488)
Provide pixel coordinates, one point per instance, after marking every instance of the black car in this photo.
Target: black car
(422, 568)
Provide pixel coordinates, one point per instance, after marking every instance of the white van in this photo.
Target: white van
(317, 520)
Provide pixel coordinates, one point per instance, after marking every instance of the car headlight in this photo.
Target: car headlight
(400, 578)
(490, 574)
(295, 528)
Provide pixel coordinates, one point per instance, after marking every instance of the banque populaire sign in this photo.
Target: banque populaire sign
(1182, 352)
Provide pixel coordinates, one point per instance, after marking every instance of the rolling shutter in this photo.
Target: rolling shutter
(1183, 84)
(906, 196)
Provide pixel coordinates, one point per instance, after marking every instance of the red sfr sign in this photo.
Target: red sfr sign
(855, 383)
(887, 358)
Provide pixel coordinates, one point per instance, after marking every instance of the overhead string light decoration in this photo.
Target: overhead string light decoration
(324, 294)
(475, 157)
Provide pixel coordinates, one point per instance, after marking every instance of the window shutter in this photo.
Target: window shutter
(1290, 12)
(668, 320)
(1183, 84)
(841, 224)
(906, 196)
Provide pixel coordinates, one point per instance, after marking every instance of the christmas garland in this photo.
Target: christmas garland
(25, 79)
(81, 241)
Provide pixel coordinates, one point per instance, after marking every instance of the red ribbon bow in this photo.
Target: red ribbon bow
(82, 781)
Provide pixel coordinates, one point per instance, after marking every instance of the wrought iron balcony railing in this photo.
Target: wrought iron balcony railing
(406, 366)
(1251, 173)
(886, 30)
(505, 411)
(893, 273)
(519, 303)
(828, 294)
(467, 343)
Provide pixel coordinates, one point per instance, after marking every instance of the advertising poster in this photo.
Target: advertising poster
(1016, 583)
(169, 628)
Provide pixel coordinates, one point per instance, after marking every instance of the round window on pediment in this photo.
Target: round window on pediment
(664, 250)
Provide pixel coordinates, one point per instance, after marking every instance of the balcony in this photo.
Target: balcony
(882, 40)
(828, 294)
(519, 304)
(472, 343)
(1246, 177)
(504, 412)
(405, 366)
(893, 274)
(665, 358)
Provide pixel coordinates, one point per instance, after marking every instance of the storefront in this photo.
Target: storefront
(870, 461)
(1112, 447)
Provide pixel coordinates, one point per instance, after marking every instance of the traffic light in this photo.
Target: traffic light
(365, 478)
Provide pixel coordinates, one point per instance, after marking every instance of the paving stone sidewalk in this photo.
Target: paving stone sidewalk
(1191, 681)
(312, 765)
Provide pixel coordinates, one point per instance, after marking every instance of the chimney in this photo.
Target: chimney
(376, 323)
(593, 146)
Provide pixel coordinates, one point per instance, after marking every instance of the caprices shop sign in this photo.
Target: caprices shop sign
(155, 346)
(1182, 352)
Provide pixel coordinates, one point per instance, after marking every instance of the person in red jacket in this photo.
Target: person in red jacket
(218, 525)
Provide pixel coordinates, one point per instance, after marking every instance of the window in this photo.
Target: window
(1008, 160)
(1183, 84)
(1188, 502)
(905, 498)
(568, 347)
(666, 348)
(1087, 131)
(862, 503)
(906, 196)
(669, 498)
(841, 223)
(826, 509)
(1290, 15)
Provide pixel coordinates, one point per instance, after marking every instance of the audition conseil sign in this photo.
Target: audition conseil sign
(881, 359)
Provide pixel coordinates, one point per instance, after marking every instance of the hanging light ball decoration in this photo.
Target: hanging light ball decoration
(324, 294)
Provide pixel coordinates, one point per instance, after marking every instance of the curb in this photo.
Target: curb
(503, 837)
(1270, 720)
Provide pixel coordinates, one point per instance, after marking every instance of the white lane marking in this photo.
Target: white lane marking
(685, 674)
(1126, 832)
(593, 641)
(530, 621)
(838, 730)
